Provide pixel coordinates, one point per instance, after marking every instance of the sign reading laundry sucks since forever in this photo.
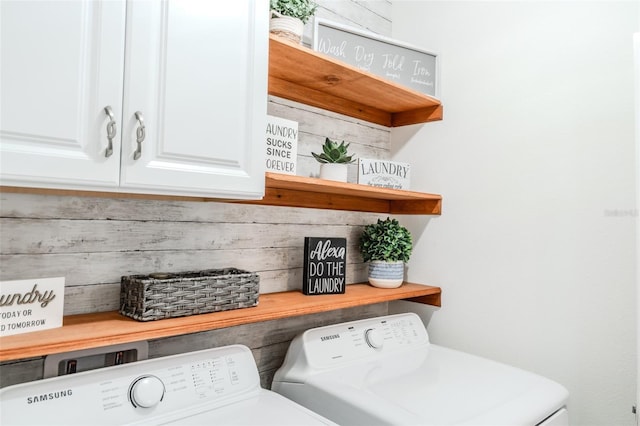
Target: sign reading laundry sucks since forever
(31, 305)
(282, 145)
(325, 264)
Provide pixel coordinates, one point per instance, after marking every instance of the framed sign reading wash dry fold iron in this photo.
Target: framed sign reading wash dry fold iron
(390, 59)
(163, 295)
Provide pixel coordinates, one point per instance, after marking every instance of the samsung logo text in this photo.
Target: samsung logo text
(49, 396)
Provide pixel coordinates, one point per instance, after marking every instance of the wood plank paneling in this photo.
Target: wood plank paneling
(94, 236)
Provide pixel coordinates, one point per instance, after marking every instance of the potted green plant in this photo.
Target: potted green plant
(386, 245)
(333, 160)
(289, 16)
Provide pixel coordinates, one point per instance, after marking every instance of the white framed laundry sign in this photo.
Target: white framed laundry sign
(384, 173)
(31, 305)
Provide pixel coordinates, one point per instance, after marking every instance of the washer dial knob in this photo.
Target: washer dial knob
(146, 391)
(373, 338)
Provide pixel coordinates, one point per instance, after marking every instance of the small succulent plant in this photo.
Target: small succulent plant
(334, 153)
(301, 9)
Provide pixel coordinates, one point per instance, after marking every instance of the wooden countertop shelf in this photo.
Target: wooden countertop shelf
(108, 328)
(300, 191)
(300, 74)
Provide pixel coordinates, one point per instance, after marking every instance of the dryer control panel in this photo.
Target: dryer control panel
(376, 337)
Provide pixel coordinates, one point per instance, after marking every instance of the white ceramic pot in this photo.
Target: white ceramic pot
(334, 171)
(386, 274)
(286, 26)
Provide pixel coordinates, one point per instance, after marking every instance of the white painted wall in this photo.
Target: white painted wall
(636, 39)
(535, 249)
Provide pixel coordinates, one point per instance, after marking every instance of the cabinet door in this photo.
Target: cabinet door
(196, 70)
(62, 64)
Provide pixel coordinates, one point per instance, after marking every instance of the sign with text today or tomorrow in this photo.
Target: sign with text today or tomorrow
(31, 305)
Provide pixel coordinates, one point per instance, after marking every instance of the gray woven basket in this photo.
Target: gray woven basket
(158, 296)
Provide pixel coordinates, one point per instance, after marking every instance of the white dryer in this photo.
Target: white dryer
(384, 371)
(217, 386)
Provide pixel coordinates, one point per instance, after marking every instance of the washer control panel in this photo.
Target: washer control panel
(134, 391)
(342, 343)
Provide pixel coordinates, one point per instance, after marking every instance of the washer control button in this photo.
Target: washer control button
(146, 391)
(373, 338)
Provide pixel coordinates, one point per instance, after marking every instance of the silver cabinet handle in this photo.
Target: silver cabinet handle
(140, 134)
(111, 131)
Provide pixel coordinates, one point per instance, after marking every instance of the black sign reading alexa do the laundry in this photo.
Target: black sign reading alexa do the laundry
(325, 265)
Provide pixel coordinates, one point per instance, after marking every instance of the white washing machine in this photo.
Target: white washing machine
(384, 371)
(217, 386)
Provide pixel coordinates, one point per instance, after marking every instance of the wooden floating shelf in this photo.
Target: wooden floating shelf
(300, 191)
(300, 74)
(297, 191)
(109, 328)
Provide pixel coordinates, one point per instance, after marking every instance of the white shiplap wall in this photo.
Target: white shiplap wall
(94, 241)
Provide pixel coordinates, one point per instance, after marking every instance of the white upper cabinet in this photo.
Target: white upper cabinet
(62, 64)
(190, 86)
(197, 72)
